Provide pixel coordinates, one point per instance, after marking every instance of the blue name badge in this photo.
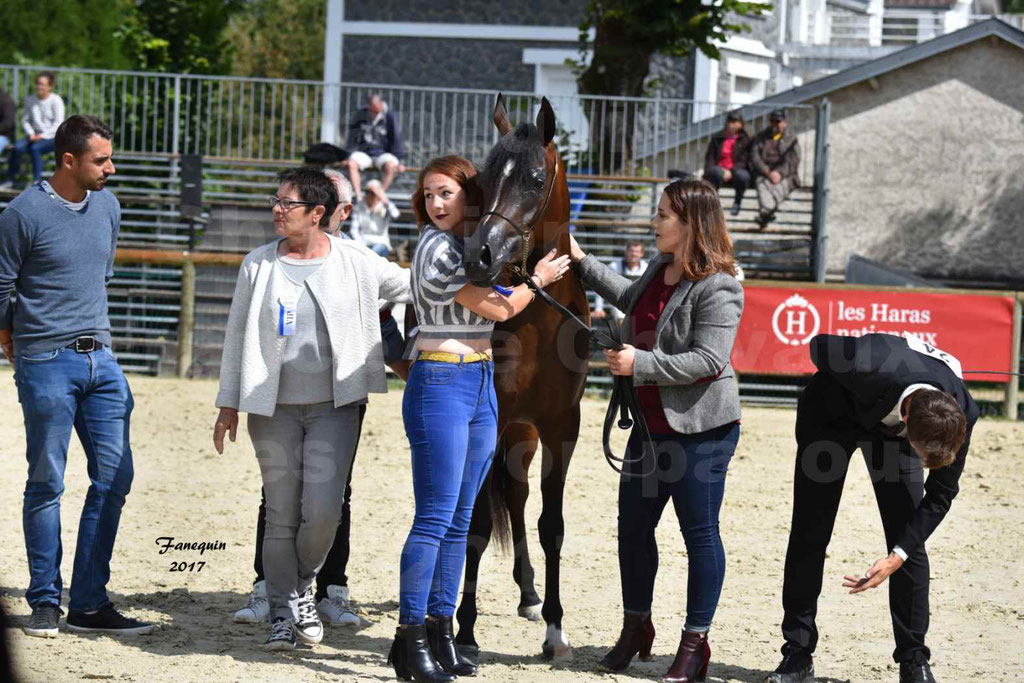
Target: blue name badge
(285, 318)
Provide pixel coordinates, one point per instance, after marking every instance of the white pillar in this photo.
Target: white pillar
(330, 112)
(705, 86)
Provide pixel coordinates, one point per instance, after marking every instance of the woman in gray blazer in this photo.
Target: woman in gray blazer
(681, 320)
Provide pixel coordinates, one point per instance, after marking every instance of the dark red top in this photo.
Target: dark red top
(645, 320)
(728, 145)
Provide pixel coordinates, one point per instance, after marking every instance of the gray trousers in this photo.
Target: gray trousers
(770, 197)
(305, 453)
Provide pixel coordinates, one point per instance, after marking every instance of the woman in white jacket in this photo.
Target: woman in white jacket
(301, 352)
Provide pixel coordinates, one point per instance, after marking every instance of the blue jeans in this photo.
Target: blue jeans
(60, 390)
(380, 249)
(691, 470)
(451, 418)
(36, 150)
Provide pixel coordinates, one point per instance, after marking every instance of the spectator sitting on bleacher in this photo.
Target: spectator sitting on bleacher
(372, 218)
(632, 265)
(725, 162)
(374, 139)
(7, 117)
(775, 158)
(43, 113)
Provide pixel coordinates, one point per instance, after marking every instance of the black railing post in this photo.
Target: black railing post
(819, 251)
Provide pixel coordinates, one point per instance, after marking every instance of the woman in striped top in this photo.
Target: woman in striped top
(450, 413)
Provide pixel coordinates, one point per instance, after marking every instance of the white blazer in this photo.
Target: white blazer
(346, 287)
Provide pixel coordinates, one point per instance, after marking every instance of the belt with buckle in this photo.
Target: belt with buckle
(443, 357)
(85, 345)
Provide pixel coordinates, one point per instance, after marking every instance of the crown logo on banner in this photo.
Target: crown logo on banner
(795, 321)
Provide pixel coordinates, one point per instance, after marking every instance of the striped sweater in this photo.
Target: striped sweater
(437, 276)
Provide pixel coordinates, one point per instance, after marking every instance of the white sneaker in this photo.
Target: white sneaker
(282, 636)
(336, 608)
(257, 609)
(309, 628)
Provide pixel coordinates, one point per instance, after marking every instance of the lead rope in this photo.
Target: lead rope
(624, 399)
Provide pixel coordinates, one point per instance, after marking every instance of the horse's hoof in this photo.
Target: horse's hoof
(558, 653)
(469, 653)
(556, 647)
(530, 612)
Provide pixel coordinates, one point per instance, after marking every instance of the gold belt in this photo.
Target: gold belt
(443, 357)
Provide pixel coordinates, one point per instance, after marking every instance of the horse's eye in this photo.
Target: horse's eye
(538, 181)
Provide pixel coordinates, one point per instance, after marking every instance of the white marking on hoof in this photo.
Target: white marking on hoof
(531, 612)
(557, 645)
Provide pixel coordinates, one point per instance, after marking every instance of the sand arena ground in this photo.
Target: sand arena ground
(183, 489)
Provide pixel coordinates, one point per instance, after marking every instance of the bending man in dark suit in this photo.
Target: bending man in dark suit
(904, 404)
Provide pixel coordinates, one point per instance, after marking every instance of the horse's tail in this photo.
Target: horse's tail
(501, 528)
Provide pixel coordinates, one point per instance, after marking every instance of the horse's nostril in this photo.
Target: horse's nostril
(485, 256)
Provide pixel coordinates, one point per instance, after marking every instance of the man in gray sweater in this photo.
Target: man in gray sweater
(57, 241)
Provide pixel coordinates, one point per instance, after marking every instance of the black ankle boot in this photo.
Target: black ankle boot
(442, 645)
(411, 658)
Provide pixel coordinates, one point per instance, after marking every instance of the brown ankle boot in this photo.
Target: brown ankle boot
(636, 638)
(691, 662)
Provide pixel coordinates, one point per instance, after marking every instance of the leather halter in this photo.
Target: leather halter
(523, 232)
(527, 232)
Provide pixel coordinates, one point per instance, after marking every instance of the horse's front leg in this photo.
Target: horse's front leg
(559, 442)
(521, 440)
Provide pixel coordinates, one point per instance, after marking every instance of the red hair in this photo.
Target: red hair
(459, 169)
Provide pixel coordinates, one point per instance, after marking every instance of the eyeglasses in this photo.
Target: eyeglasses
(287, 204)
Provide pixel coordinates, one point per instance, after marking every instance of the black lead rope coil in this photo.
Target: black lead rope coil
(624, 399)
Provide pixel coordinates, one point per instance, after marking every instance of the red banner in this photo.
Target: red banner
(778, 322)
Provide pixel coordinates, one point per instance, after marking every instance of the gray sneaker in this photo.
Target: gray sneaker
(309, 629)
(43, 622)
(282, 636)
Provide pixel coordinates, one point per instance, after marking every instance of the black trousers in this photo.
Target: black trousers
(740, 180)
(333, 571)
(826, 438)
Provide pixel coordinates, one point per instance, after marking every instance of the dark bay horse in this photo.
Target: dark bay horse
(540, 366)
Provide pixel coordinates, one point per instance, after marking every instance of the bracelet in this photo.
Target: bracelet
(540, 280)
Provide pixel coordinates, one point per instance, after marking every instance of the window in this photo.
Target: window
(746, 90)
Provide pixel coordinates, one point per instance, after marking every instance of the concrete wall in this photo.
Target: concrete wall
(441, 62)
(444, 62)
(927, 166)
(524, 12)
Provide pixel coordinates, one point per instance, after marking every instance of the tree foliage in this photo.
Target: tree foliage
(629, 32)
(182, 36)
(150, 35)
(280, 39)
(62, 32)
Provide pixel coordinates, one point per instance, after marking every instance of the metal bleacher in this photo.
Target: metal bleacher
(607, 212)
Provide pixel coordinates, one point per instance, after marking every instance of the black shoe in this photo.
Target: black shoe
(411, 658)
(735, 210)
(106, 620)
(43, 622)
(916, 672)
(442, 646)
(797, 666)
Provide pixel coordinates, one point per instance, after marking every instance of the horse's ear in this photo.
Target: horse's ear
(546, 121)
(501, 121)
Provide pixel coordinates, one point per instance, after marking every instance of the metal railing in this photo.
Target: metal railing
(897, 28)
(259, 118)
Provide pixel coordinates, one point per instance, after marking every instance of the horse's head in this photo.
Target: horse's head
(516, 185)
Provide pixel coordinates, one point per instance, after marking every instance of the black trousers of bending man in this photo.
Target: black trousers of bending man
(857, 384)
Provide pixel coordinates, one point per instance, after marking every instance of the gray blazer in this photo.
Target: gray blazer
(693, 340)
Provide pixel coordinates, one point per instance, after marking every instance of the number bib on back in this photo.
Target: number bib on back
(919, 345)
